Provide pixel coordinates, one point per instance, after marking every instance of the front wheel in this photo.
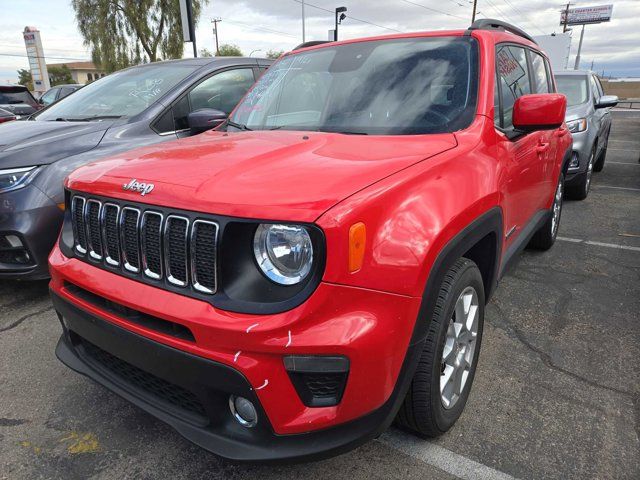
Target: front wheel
(580, 190)
(545, 237)
(442, 381)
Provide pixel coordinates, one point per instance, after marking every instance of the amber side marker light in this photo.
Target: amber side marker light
(61, 206)
(357, 242)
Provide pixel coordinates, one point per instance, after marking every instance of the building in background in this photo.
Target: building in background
(35, 53)
(81, 72)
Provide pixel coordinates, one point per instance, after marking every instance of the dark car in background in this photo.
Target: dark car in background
(17, 100)
(138, 106)
(58, 93)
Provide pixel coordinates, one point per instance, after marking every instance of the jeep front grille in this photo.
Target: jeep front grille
(144, 242)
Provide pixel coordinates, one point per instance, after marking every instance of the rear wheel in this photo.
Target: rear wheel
(545, 237)
(442, 381)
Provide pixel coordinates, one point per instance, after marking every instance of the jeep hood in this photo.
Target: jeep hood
(27, 143)
(279, 175)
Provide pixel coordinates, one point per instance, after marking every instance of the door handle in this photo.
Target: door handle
(542, 147)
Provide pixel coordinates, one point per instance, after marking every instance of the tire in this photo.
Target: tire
(424, 411)
(545, 237)
(580, 190)
(599, 163)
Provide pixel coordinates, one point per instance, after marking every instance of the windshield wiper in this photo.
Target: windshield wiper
(239, 126)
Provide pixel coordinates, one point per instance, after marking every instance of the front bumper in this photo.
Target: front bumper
(372, 329)
(36, 219)
(582, 145)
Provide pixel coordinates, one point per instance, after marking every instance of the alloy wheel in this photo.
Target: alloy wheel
(459, 347)
(557, 209)
(589, 171)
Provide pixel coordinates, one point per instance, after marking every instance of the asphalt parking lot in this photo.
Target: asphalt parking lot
(557, 393)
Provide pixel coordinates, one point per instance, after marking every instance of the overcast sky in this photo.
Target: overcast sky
(276, 24)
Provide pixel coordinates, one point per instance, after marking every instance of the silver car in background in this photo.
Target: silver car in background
(589, 122)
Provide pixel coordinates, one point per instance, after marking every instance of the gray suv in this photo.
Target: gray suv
(139, 106)
(589, 122)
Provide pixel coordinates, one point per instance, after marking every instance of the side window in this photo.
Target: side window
(514, 79)
(222, 91)
(552, 87)
(497, 115)
(49, 97)
(599, 85)
(595, 92)
(539, 73)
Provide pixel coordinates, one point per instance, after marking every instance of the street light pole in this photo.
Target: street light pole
(304, 37)
(577, 64)
(340, 15)
(473, 15)
(254, 51)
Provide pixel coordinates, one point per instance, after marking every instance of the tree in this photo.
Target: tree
(229, 50)
(24, 78)
(121, 33)
(205, 52)
(60, 75)
(274, 54)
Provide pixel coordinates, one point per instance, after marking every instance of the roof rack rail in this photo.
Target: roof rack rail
(493, 24)
(312, 43)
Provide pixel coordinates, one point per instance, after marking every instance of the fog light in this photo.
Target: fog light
(243, 411)
(575, 161)
(13, 240)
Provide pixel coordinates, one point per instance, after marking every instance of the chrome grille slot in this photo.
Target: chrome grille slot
(204, 241)
(151, 230)
(77, 221)
(94, 232)
(110, 233)
(175, 249)
(130, 238)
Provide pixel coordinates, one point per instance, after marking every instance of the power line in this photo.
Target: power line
(433, 9)
(528, 20)
(259, 28)
(307, 4)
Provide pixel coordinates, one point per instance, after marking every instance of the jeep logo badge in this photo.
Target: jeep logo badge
(136, 186)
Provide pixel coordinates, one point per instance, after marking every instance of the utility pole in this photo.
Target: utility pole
(340, 16)
(215, 22)
(473, 15)
(304, 37)
(566, 19)
(577, 64)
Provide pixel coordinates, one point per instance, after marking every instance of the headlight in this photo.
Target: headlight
(15, 178)
(284, 252)
(576, 126)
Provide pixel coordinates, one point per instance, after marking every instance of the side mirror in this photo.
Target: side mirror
(543, 111)
(607, 101)
(205, 119)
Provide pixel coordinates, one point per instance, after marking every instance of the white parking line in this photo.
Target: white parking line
(617, 188)
(598, 244)
(439, 457)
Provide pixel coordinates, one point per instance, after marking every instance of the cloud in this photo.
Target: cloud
(276, 24)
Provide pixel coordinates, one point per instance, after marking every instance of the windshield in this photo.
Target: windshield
(15, 95)
(121, 94)
(387, 87)
(574, 87)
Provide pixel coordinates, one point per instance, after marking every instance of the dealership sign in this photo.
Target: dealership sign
(586, 15)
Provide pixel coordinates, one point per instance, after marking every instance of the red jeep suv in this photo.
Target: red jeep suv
(288, 285)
